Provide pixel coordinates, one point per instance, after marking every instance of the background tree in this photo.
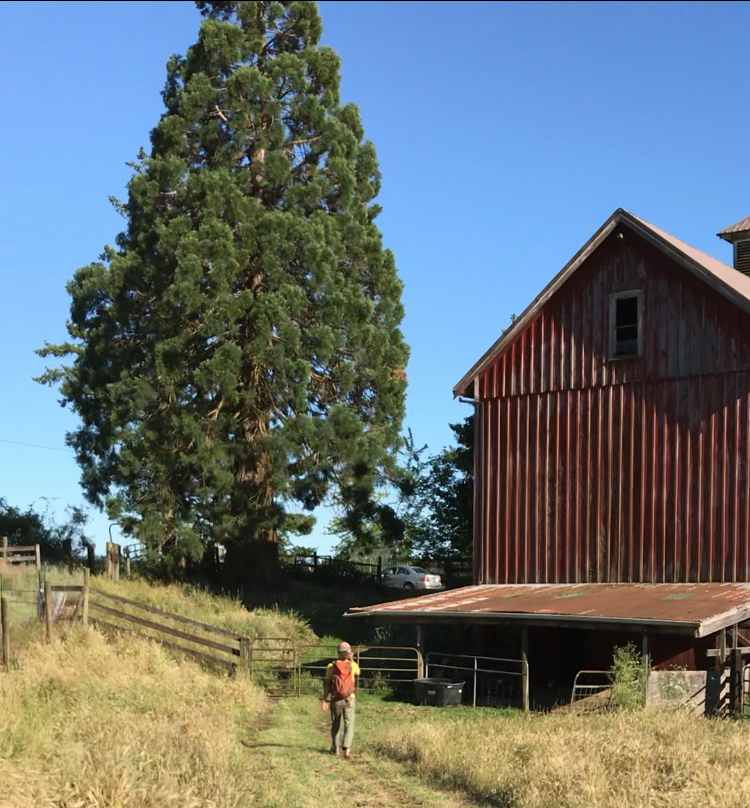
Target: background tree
(431, 506)
(440, 521)
(58, 542)
(239, 350)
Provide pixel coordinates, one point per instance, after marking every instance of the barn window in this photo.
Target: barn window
(625, 324)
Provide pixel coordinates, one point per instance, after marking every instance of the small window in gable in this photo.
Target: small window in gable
(625, 324)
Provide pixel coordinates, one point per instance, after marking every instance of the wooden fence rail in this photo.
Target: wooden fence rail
(20, 554)
(232, 653)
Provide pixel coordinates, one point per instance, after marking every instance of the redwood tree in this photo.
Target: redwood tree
(238, 351)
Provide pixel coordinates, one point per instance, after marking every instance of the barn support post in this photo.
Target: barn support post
(716, 677)
(735, 683)
(646, 664)
(721, 647)
(525, 669)
(419, 642)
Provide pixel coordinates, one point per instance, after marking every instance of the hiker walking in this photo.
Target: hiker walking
(339, 693)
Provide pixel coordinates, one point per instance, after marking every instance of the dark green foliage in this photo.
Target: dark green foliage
(440, 519)
(57, 542)
(239, 350)
(431, 512)
(629, 674)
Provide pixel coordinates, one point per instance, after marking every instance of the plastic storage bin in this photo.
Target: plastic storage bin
(438, 692)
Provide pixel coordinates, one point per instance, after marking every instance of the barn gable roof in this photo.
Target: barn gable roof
(727, 281)
(743, 226)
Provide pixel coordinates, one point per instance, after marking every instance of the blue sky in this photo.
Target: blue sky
(506, 134)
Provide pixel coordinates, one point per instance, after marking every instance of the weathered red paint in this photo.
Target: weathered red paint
(632, 470)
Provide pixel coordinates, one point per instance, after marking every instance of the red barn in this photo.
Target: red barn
(613, 419)
(612, 463)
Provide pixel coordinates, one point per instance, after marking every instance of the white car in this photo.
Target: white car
(408, 577)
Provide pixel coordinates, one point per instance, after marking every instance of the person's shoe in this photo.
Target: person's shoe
(335, 751)
(348, 754)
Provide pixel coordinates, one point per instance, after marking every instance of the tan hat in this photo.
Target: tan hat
(344, 648)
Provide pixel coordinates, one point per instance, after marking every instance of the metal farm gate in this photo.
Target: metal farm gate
(488, 681)
(286, 668)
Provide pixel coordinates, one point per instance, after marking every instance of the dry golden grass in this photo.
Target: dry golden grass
(188, 601)
(629, 760)
(91, 722)
(222, 611)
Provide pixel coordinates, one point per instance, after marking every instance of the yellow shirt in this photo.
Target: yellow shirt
(329, 674)
(329, 669)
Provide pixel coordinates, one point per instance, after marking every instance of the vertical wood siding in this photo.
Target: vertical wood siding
(634, 470)
(688, 328)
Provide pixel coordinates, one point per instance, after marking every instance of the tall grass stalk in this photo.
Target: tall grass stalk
(626, 759)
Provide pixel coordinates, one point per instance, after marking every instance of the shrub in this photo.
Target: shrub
(629, 675)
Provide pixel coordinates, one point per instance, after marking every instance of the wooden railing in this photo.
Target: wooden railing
(20, 554)
(230, 651)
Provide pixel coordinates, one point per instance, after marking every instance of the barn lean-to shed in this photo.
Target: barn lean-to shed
(613, 424)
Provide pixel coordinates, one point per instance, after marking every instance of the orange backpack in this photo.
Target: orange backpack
(342, 680)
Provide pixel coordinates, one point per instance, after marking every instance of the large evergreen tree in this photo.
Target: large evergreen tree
(239, 349)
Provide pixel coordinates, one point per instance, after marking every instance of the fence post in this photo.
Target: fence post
(47, 611)
(246, 656)
(5, 549)
(38, 555)
(380, 569)
(127, 563)
(525, 669)
(6, 636)
(85, 597)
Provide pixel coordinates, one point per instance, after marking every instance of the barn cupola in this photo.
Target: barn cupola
(738, 235)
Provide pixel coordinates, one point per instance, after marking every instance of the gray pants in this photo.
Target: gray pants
(342, 723)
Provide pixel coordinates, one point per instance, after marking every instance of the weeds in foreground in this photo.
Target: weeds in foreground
(632, 759)
(96, 722)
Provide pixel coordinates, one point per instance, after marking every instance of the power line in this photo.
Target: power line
(36, 446)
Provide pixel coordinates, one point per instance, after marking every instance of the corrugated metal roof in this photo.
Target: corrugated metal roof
(737, 227)
(699, 609)
(733, 284)
(726, 274)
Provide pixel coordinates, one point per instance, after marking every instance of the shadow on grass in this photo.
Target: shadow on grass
(297, 746)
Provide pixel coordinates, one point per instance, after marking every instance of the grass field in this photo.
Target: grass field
(95, 722)
(629, 760)
(91, 722)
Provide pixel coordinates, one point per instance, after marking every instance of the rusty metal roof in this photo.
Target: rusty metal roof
(725, 279)
(698, 609)
(738, 227)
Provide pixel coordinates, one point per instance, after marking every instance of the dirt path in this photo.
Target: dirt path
(295, 770)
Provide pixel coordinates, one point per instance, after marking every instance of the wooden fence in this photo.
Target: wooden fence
(331, 566)
(223, 648)
(13, 554)
(453, 571)
(50, 603)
